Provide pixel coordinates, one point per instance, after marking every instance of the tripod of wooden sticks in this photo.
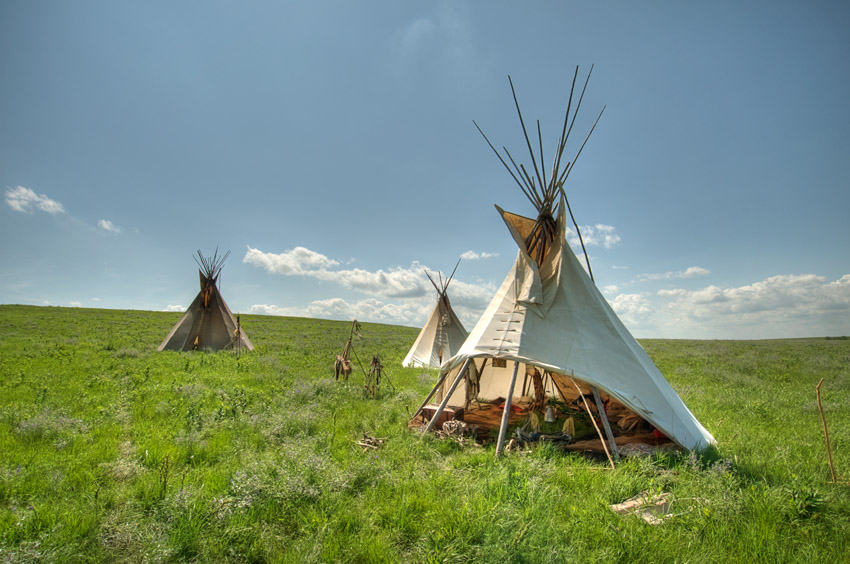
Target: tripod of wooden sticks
(373, 379)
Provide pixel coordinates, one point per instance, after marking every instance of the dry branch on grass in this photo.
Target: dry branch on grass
(368, 442)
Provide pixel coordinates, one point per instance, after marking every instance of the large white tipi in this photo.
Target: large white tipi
(549, 319)
(208, 323)
(443, 333)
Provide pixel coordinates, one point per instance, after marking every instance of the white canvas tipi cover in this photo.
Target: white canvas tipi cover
(441, 336)
(553, 317)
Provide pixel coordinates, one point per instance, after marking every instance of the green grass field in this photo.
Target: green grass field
(113, 452)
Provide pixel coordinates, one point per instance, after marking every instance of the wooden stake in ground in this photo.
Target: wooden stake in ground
(826, 435)
(506, 414)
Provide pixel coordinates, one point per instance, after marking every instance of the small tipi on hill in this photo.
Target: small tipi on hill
(208, 323)
(549, 323)
(443, 333)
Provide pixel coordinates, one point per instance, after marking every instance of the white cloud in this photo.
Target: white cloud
(108, 226)
(406, 284)
(632, 309)
(610, 289)
(693, 271)
(690, 272)
(594, 236)
(75, 304)
(468, 301)
(370, 309)
(472, 255)
(394, 283)
(25, 200)
(295, 262)
(174, 308)
(789, 305)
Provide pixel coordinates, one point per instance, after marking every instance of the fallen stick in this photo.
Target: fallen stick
(365, 445)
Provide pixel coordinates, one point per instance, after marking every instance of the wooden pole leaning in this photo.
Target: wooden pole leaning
(439, 383)
(611, 442)
(592, 420)
(448, 395)
(507, 413)
(826, 435)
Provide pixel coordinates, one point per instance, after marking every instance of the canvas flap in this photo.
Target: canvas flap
(536, 285)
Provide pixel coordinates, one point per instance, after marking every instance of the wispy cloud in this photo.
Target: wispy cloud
(443, 32)
(439, 43)
(598, 235)
(690, 272)
(108, 226)
(24, 200)
(419, 32)
(472, 255)
(75, 303)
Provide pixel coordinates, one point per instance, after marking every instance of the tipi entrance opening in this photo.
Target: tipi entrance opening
(544, 406)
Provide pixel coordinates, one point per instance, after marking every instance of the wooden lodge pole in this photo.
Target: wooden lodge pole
(445, 401)
(507, 413)
(439, 383)
(592, 420)
(605, 423)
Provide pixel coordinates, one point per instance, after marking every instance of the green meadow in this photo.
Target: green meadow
(113, 452)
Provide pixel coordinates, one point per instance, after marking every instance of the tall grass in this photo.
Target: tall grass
(110, 451)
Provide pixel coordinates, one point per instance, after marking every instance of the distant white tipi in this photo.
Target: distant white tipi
(442, 334)
(548, 321)
(208, 323)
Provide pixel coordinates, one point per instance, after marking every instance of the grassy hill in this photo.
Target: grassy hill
(111, 451)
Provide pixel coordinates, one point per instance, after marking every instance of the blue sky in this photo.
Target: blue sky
(330, 146)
